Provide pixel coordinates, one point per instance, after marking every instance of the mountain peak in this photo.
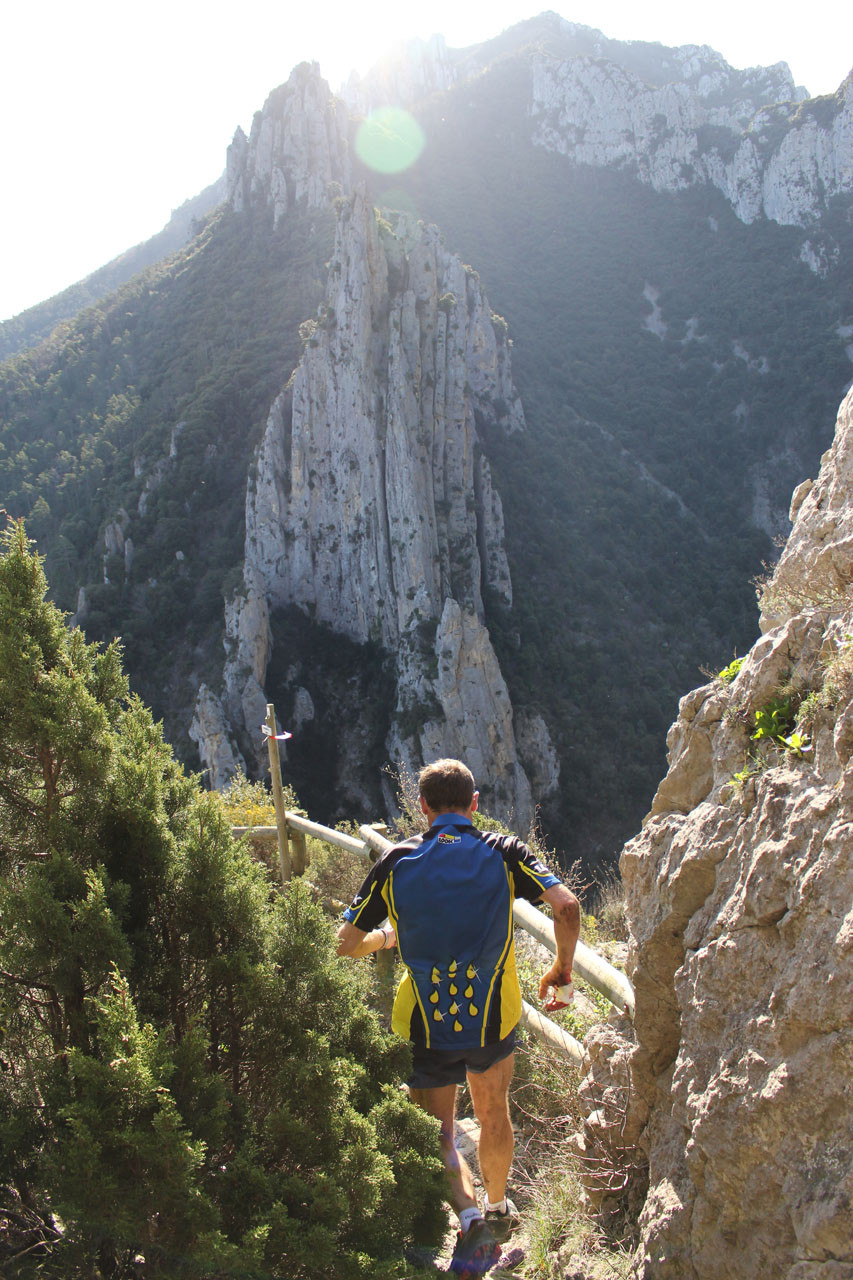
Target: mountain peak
(297, 147)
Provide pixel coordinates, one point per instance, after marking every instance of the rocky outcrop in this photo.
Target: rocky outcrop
(297, 152)
(816, 566)
(211, 731)
(372, 509)
(371, 498)
(463, 711)
(248, 644)
(693, 119)
(739, 893)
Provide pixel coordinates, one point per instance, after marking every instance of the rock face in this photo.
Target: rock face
(676, 117)
(210, 730)
(372, 507)
(740, 903)
(297, 147)
(369, 504)
(696, 120)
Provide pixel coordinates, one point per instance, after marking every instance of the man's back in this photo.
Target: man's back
(449, 895)
(450, 901)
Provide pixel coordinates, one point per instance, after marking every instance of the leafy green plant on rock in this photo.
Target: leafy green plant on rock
(776, 723)
(774, 720)
(728, 674)
(752, 767)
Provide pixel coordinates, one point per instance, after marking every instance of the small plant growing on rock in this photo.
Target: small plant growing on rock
(777, 722)
(728, 673)
(774, 720)
(752, 767)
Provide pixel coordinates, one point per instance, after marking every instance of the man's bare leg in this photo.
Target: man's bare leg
(490, 1096)
(441, 1103)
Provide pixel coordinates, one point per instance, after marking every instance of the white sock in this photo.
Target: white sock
(500, 1207)
(467, 1216)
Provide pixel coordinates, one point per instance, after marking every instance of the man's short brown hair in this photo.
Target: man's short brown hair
(447, 786)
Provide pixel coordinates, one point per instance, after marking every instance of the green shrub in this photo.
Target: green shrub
(191, 1080)
(250, 804)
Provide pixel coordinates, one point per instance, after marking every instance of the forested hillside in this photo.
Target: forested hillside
(679, 371)
(37, 323)
(151, 403)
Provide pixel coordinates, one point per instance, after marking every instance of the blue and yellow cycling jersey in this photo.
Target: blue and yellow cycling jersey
(449, 896)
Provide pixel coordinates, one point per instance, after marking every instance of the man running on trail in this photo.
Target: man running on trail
(448, 895)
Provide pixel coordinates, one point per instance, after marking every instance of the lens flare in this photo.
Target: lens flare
(389, 140)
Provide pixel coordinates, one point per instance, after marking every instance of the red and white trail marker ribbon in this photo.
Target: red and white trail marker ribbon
(279, 737)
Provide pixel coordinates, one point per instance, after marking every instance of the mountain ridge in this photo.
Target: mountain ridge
(656, 380)
(424, 67)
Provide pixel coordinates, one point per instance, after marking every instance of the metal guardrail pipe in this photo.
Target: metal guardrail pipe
(587, 963)
(315, 829)
(374, 839)
(551, 1034)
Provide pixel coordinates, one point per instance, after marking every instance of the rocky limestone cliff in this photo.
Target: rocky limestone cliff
(740, 904)
(297, 148)
(211, 731)
(372, 508)
(747, 132)
(677, 117)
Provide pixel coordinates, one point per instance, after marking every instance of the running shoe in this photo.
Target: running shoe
(503, 1224)
(476, 1251)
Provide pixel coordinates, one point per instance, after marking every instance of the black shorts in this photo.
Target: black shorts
(434, 1068)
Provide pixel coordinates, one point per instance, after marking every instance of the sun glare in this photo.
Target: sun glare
(389, 140)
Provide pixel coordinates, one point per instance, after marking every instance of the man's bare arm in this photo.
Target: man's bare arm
(354, 942)
(567, 924)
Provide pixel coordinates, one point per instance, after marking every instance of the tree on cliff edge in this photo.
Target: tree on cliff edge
(190, 1082)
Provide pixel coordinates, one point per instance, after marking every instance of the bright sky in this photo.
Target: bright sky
(116, 112)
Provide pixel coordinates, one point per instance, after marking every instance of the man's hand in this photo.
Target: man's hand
(556, 976)
(354, 942)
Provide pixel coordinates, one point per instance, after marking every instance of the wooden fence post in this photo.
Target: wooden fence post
(300, 851)
(278, 797)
